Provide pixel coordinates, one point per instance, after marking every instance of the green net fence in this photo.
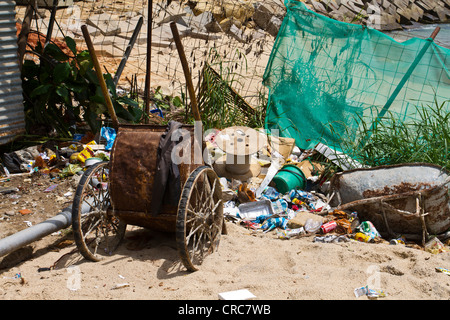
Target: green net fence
(324, 76)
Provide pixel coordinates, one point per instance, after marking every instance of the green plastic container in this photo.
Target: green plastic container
(289, 177)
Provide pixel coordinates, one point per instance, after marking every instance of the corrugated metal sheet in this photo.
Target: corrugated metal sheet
(12, 120)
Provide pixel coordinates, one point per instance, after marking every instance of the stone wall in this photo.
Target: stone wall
(384, 14)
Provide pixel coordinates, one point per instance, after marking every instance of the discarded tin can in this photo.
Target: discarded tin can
(359, 236)
(400, 240)
(328, 227)
(288, 233)
(273, 223)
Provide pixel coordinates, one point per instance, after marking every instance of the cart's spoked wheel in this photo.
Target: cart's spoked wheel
(95, 232)
(200, 217)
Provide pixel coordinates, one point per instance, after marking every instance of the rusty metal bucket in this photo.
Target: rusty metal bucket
(409, 199)
(132, 170)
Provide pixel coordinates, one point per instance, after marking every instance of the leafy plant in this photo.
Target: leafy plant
(62, 89)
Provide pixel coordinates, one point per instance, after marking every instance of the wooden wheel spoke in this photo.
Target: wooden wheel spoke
(95, 233)
(199, 218)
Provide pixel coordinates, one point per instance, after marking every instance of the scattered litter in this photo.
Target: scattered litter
(51, 188)
(370, 293)
(7, 190)
(273, 223)
(29, 224)
(289, 233)
(109, 134)
(242, 294)
(25, 212)
(312, 226)
(400, 240)
(367, 228)
(251, 210)
(332, 238)
(120, 286)
(435, 246)
(443, 270)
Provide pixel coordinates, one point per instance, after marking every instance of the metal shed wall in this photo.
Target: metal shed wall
(12, 118)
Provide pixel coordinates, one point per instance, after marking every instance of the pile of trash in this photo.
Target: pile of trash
(291, 199)
(59, 159)
(294, 214)
(300, 213)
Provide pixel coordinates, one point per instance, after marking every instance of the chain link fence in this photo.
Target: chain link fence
(234, 37)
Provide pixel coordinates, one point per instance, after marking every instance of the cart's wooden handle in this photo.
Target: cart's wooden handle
(187, 74)
(98, 71)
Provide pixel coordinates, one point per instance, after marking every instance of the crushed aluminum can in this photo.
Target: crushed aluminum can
(328, 227)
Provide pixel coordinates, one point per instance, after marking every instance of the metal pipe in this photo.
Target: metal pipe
(22, 238)
(51, 22)
(100, 78)
(128, 51)
(149, 61)
(61, 221)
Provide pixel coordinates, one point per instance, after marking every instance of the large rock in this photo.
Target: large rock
(266, 20)
(164, 32)
(383, 22)
(213, 6)
(204, 22)
(262, 16)
(106, 23)
(318, 7)
(274, 26)
(238, 10)
(237, 33)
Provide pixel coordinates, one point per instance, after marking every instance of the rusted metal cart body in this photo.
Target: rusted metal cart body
(410, 199)
(112, 195)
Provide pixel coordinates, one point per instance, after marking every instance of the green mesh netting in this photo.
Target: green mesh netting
(323, 72)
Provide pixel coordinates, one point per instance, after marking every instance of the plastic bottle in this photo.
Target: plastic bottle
(312, 226)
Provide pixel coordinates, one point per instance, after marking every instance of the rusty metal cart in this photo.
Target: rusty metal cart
(112, 194)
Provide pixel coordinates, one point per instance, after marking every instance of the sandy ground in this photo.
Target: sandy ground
(146, 265)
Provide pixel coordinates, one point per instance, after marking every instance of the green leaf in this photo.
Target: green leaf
(128, 101)
(110, 85)
(55, 52)
(71, 44)
(76, 87)
(63, 93)
(30, 69)
(61, 72)
(42, 89)
(177, 102)
(85, 66)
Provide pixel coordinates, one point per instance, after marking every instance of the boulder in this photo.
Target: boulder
(226, 24)
(164, 32)
(106, 23)
(204, 22)
(237, 33)
(241, 10)
(318, 7)
(213, 6)
(274, 26)
(262, 16)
